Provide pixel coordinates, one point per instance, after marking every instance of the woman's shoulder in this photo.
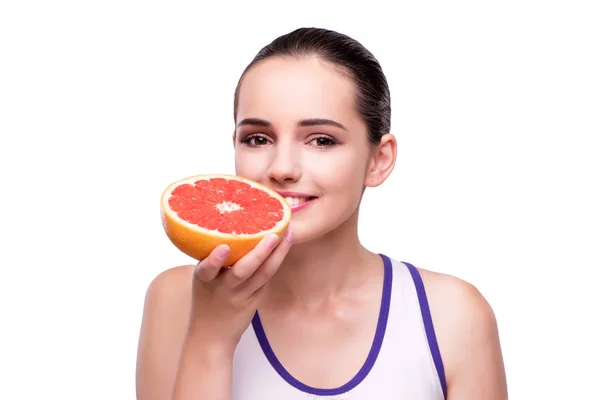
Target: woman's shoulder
(171, 278)
(457, 306)
(454, 293)
(167, 304)
(169, 294)
(451, 297)
(170, 286)
(466, 328)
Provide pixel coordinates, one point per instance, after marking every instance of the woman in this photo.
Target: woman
(326, 316)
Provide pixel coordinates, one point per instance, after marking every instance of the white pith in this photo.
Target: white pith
(228, 206)
(223, 207)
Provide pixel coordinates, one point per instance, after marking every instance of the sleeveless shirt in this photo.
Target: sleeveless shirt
(404, 361)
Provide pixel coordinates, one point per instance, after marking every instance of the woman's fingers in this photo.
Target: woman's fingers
(209, 268)
(269, 266)
(257, 266)
(246, 265)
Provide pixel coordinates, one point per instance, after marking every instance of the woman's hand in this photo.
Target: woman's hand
(224, 300)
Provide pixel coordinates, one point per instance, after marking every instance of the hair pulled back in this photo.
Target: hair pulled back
(373, 94)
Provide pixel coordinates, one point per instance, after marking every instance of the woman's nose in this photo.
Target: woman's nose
(285, 166)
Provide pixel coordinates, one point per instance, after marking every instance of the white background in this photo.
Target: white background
(496, 107)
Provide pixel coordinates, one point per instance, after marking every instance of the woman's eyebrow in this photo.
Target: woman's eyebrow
(254, 121)
(321, 121)
(304, 122)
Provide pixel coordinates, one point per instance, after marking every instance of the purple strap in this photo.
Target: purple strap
(427, 321)
(377, 341)
(370, 361)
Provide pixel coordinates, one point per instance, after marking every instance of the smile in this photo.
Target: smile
(298, 201)
(295, 201)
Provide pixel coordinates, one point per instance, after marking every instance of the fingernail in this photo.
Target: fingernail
(272, 241)
(222, 252)
(288, 236)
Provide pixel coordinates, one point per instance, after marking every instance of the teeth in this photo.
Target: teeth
(294, 201)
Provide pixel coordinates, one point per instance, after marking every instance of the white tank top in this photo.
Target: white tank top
(404, 361)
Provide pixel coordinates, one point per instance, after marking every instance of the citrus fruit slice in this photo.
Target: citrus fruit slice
(203, 211)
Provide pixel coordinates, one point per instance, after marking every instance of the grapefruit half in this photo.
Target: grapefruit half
(203, 211)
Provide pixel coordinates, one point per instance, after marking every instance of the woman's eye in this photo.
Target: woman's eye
(256, 140)
(324, 142)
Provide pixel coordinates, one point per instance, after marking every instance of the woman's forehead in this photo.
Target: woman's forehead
(296, 88)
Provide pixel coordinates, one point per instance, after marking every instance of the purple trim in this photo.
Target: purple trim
(427, 321)
(373, 353)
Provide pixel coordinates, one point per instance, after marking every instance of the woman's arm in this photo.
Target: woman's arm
(468, 338)
(204, 372)
(174, 363)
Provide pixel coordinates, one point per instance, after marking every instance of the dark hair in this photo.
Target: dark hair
(373, 94)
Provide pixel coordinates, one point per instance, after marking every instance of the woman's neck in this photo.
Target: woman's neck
(324, 269)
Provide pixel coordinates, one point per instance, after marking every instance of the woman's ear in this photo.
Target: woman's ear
(383, 159)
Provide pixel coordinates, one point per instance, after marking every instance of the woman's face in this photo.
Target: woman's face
(298, 132)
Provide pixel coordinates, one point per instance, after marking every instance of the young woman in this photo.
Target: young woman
(313, 313)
